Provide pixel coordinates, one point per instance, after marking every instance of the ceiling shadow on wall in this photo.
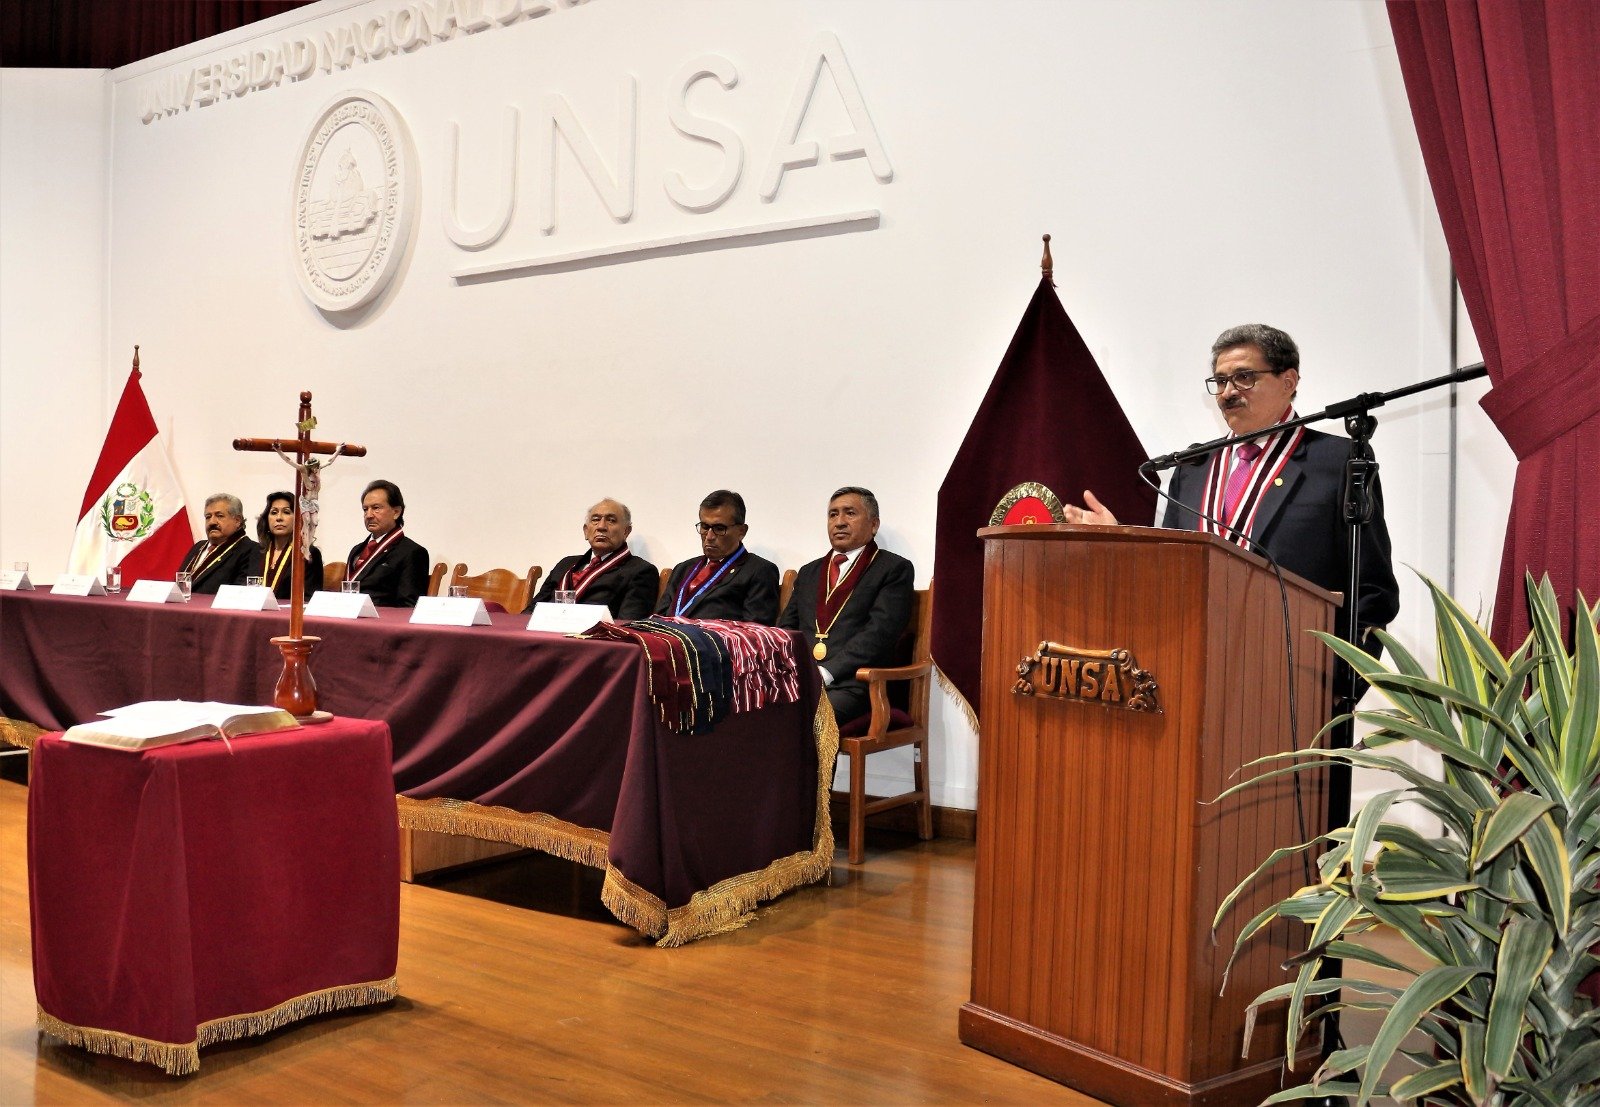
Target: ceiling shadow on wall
(621, 255)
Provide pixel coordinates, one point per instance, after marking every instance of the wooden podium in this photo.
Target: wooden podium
(1100, 860)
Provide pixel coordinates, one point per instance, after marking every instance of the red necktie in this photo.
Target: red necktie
(833, 569)
(361, 558)
(1240, 477)
(701, 575)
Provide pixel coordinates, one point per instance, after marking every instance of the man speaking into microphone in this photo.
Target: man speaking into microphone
(1281, 495)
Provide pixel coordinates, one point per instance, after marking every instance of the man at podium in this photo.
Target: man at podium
(1280, 495)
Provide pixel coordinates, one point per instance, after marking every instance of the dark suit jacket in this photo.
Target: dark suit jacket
(868, 627)
(628, 590)
(1301, 524)
(258, 568)
(231, 568)
(396, 576)
(747, 591)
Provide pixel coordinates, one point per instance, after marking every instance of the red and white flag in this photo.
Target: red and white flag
(133, 511)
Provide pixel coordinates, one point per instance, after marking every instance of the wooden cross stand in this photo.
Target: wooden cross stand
(296, 691)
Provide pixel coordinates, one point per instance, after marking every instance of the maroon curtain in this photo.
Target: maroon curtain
(1506, 99)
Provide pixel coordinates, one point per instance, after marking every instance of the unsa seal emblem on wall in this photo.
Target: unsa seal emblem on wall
(354, 190)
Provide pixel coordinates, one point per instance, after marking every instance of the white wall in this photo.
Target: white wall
(54, 125)
(1199, 165)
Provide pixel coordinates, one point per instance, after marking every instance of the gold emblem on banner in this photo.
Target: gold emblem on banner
(1110, 678)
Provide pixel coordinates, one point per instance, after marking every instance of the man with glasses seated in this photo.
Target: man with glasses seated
(607, 572)
(726, 581)
(1283, 494)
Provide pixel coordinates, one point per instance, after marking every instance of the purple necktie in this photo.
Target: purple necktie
(1240, 477)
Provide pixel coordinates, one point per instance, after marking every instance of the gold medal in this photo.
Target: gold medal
(820, 650)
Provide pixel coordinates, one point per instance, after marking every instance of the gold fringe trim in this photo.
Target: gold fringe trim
(18, 732)
(956, 697)
(501, 824)
(730, 904)
(182, 1058)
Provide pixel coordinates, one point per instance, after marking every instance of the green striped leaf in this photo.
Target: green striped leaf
(1445, 745)
(1488, 656)
(1580, 737)
(1313, 1091)
(1272, 859)
(1523, 953)
(1547, 853)
(1474, 1074)
(1553, 677)
(1446, 1074)
(1365, 827)
(1425, 994)
(1506, 824)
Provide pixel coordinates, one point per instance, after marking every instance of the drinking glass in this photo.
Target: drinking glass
(185, 585)
(349, 586)
(458, 591)
(113, 580)
(566, 596)
(20, 566)
(254, 582)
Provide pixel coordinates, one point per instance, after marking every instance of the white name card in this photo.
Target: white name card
(450, 611)
(568, 618)
(154, 591)
(244, 597)
(78, 585)
(15, 580)
(341, 605)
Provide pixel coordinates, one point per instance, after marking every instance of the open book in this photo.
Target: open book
(144, 726)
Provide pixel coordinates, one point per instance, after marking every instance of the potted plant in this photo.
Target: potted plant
(1502, 908)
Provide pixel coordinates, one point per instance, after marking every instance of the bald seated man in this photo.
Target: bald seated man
(607, 571)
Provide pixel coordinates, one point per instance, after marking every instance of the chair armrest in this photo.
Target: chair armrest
(900, 672)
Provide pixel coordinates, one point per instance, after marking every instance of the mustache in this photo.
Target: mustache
(1233, 402)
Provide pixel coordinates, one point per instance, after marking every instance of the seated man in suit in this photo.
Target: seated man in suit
(607, 572)
(390, 567)
(726, 581)
(852, 605)
(224, 555)
(1281, 495)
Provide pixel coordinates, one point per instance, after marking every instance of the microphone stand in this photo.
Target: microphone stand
(1360, 480)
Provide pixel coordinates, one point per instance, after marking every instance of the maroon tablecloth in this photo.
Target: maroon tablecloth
(192, 894)
(499, 732)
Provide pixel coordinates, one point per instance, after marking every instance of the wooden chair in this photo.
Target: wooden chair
(786, 589)
(887, 728)
(332, 574)
(666, 575)
(501, 586)
(435, 578)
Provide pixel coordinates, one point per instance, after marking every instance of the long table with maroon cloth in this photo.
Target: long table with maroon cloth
(499, 732)
(194, 894)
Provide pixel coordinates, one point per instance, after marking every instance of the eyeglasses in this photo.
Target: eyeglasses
(718, 529)
(1243, 381)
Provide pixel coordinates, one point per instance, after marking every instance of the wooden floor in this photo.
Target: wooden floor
(518, 987)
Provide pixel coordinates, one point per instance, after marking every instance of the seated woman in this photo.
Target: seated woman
(275, 530)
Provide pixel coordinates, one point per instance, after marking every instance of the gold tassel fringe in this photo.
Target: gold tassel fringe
(17, 732)
(956, 697)
(730, 904)
(501, 824)
(182, 1058)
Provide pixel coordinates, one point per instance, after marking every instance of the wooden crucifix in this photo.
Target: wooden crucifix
(296, 691)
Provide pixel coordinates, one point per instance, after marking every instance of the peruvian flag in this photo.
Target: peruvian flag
(133, 512)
